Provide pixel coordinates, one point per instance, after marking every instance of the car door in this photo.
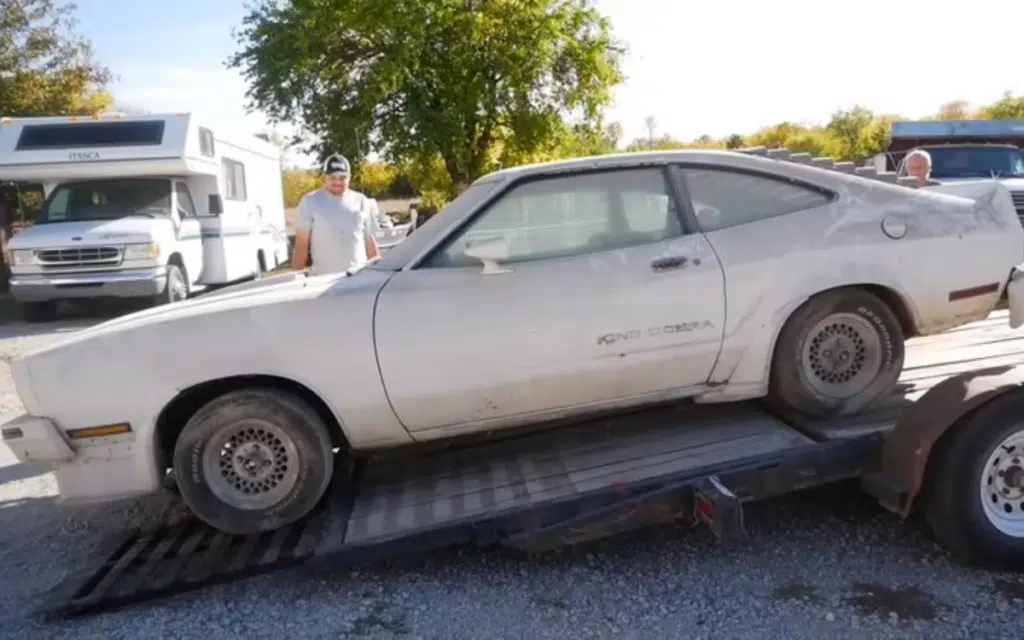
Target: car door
(605, 299)
(190, 233)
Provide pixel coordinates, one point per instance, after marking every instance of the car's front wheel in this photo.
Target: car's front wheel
(839, 352)
(253, 460)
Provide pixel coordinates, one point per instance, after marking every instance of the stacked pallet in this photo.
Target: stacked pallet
(830, 164)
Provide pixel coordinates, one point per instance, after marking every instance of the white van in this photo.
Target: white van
(147, 206)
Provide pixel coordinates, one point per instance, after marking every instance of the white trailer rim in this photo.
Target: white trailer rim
(1002, 486)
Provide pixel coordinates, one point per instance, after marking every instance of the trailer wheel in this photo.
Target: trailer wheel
(973, 497)
(837, 353)
(253, 460)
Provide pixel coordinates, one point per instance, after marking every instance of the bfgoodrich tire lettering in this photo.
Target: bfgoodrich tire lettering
(839, 352)
(951, 499)
(279, 461)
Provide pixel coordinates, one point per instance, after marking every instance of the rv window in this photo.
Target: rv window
(234, 180)
(91, 134)
(185, 200)
(206, 142)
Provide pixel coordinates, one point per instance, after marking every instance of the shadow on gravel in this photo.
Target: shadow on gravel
(71, 317)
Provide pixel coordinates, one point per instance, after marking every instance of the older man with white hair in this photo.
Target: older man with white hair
(918, 164)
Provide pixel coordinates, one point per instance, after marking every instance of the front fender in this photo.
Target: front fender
(905, 453)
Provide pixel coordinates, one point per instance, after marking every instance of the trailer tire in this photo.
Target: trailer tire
(281, 468)
(961, 478)
(837, 353)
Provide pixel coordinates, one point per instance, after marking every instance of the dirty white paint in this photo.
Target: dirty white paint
(401, 353)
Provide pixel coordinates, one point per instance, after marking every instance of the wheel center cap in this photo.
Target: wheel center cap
(253, 461)
(1013, 477)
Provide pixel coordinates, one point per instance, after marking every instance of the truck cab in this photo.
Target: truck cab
(963, 151)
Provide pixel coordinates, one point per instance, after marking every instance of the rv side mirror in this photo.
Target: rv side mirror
(216, 205)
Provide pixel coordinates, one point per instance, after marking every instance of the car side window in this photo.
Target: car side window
(724, 198)
(570, 216)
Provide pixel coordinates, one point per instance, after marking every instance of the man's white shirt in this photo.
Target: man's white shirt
(337, 227)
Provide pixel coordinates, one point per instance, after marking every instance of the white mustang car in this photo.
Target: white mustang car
(543, 292)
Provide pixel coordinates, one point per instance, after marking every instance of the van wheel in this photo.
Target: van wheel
(973, 496)
(253, 460)
(39, 311)
(176, 289)
(837, 353)
(261, 265)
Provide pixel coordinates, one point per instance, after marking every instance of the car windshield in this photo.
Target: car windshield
(107, 200)
(976, 162)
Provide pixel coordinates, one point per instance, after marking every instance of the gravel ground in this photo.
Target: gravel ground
(826, 563)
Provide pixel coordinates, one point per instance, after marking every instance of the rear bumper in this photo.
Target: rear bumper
(34, 439)
(1015, 296)
(70, 286)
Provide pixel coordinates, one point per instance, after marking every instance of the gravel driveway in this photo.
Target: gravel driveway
(827, 563)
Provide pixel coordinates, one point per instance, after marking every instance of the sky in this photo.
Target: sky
(698, 67)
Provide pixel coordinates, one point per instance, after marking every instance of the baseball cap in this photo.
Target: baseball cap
(336, 164)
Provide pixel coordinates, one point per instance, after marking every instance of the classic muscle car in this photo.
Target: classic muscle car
(542, 293)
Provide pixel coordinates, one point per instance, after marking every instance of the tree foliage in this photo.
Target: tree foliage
(473, 83)
(45, 67)
(850, 134)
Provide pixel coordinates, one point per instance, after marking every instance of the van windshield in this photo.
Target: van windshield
(976, 162)
(107, 200)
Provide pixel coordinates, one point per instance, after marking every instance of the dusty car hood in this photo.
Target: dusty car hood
(273, 290)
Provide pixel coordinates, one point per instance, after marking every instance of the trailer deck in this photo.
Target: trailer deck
(541, 490)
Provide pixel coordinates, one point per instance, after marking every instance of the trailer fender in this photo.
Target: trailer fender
(906, 450)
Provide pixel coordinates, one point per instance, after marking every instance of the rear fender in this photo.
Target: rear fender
(908, 446)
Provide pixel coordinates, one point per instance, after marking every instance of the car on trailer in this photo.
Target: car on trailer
(145, 207)
(544, 294)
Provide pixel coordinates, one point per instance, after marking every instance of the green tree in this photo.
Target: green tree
(459, 80)
(954, 110)
(1009, 107)
(45, 67)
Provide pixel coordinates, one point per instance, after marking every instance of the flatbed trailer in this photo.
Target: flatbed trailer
(551, 488)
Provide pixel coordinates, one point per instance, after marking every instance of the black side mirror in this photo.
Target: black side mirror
(215, 204)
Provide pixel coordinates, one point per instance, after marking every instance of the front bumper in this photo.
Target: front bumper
(34, 439)
(69, 286)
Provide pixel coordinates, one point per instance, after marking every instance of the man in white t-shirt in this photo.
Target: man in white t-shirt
(336, 225)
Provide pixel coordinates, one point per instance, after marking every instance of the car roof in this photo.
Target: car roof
(612, 160)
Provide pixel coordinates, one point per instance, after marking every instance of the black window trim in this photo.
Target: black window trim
(686, 228)
(679, 179)
(227, 163)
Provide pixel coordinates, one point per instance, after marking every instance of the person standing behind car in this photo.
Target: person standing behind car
(918, 164)
(336, 225)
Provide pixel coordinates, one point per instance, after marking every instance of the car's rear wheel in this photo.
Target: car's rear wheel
(253, 460)
(839, 352)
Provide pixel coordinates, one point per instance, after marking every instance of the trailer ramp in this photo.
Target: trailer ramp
(487, 493)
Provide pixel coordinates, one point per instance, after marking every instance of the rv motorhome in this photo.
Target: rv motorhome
(147, 206)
